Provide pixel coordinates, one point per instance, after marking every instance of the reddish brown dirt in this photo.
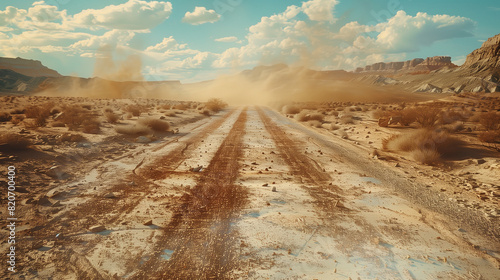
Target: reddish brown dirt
(199, 232)
(320, 188)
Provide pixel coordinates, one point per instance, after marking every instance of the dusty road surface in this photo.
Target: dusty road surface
(250, 194)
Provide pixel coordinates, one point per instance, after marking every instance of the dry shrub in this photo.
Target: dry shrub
(5, 117)
(136, 130)
(347, 119)
(215, 104)
(75, 118)
(425, 140)
(111, 117)
(70, 137)
(377, 114)
(39, 113)
(408, 116)
(108, 110)
(180, 106)
(155, 124)
(14, 142)
(490, 121)
(450, 117)
(303, 116)
(427, 116)
(135, 110)
(290, 109)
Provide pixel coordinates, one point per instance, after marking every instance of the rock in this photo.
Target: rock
(44, 201)
(480, 161)
(57, 204)
(486, 57)
(265, 185)
(197, 169)
(274, 189)
(97, 228)
(148, 223)
(56, 172)
(110, 195)
(143, 140)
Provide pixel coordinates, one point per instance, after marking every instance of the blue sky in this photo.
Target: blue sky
(197, 40)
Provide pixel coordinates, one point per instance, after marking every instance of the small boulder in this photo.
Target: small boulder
(97, 228)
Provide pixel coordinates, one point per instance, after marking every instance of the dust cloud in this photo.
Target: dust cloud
(263, 85)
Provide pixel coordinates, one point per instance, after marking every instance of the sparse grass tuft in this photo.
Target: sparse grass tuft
(111, 117)
(134, 110)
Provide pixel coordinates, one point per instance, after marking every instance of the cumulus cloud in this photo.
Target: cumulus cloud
(168, 44)
(319, 10)
(111, 38)
(227, 39)
(11, 15)
(201, 15)
(133, 15)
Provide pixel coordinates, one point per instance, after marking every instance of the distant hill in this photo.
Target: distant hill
(27, 67)
(13, 82)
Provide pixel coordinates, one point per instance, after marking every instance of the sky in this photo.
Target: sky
(196, 40)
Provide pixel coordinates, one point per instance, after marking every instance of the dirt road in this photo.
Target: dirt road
(253, 195)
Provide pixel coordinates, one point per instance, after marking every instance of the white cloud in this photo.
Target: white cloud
(319, 10)
(45, 13)
(133, 15)
(11, 15)
(168, 44)
(201, 15)
(227, 39)
(111, 38)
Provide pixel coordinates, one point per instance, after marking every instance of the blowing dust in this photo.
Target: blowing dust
(263, 85)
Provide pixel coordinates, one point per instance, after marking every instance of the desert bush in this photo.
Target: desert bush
(75, 118)
(70, 137)
(215, 104)
(180, 106)
(290, 109)
(490, 121)
(304, 116)
(377, 114)
(454, 127)
(5, 117)
(14, 142)
(135, 110)
(155, 124)
(427, 116)
(450, 117)
(425, 140)
(408, 116)
(111, 117)
(39, 113)
(347, 119)
(136, 130)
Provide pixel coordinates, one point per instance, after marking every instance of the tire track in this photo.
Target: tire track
(199, 233)
(302, 166)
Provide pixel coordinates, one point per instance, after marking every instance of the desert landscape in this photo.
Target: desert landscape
(280, 171)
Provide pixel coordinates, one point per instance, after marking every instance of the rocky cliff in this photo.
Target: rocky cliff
(414, 65)
(487, 57)
(27, 67)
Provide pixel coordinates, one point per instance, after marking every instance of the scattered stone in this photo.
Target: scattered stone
(110, 195)
(265, 185)
(44, 201)
(197, 169)
(56, 172)
(397, 165)
(98, 228)
(274, 189)
(480, 161)
(148, 223)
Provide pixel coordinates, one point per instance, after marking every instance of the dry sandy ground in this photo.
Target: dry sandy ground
(248, 194)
